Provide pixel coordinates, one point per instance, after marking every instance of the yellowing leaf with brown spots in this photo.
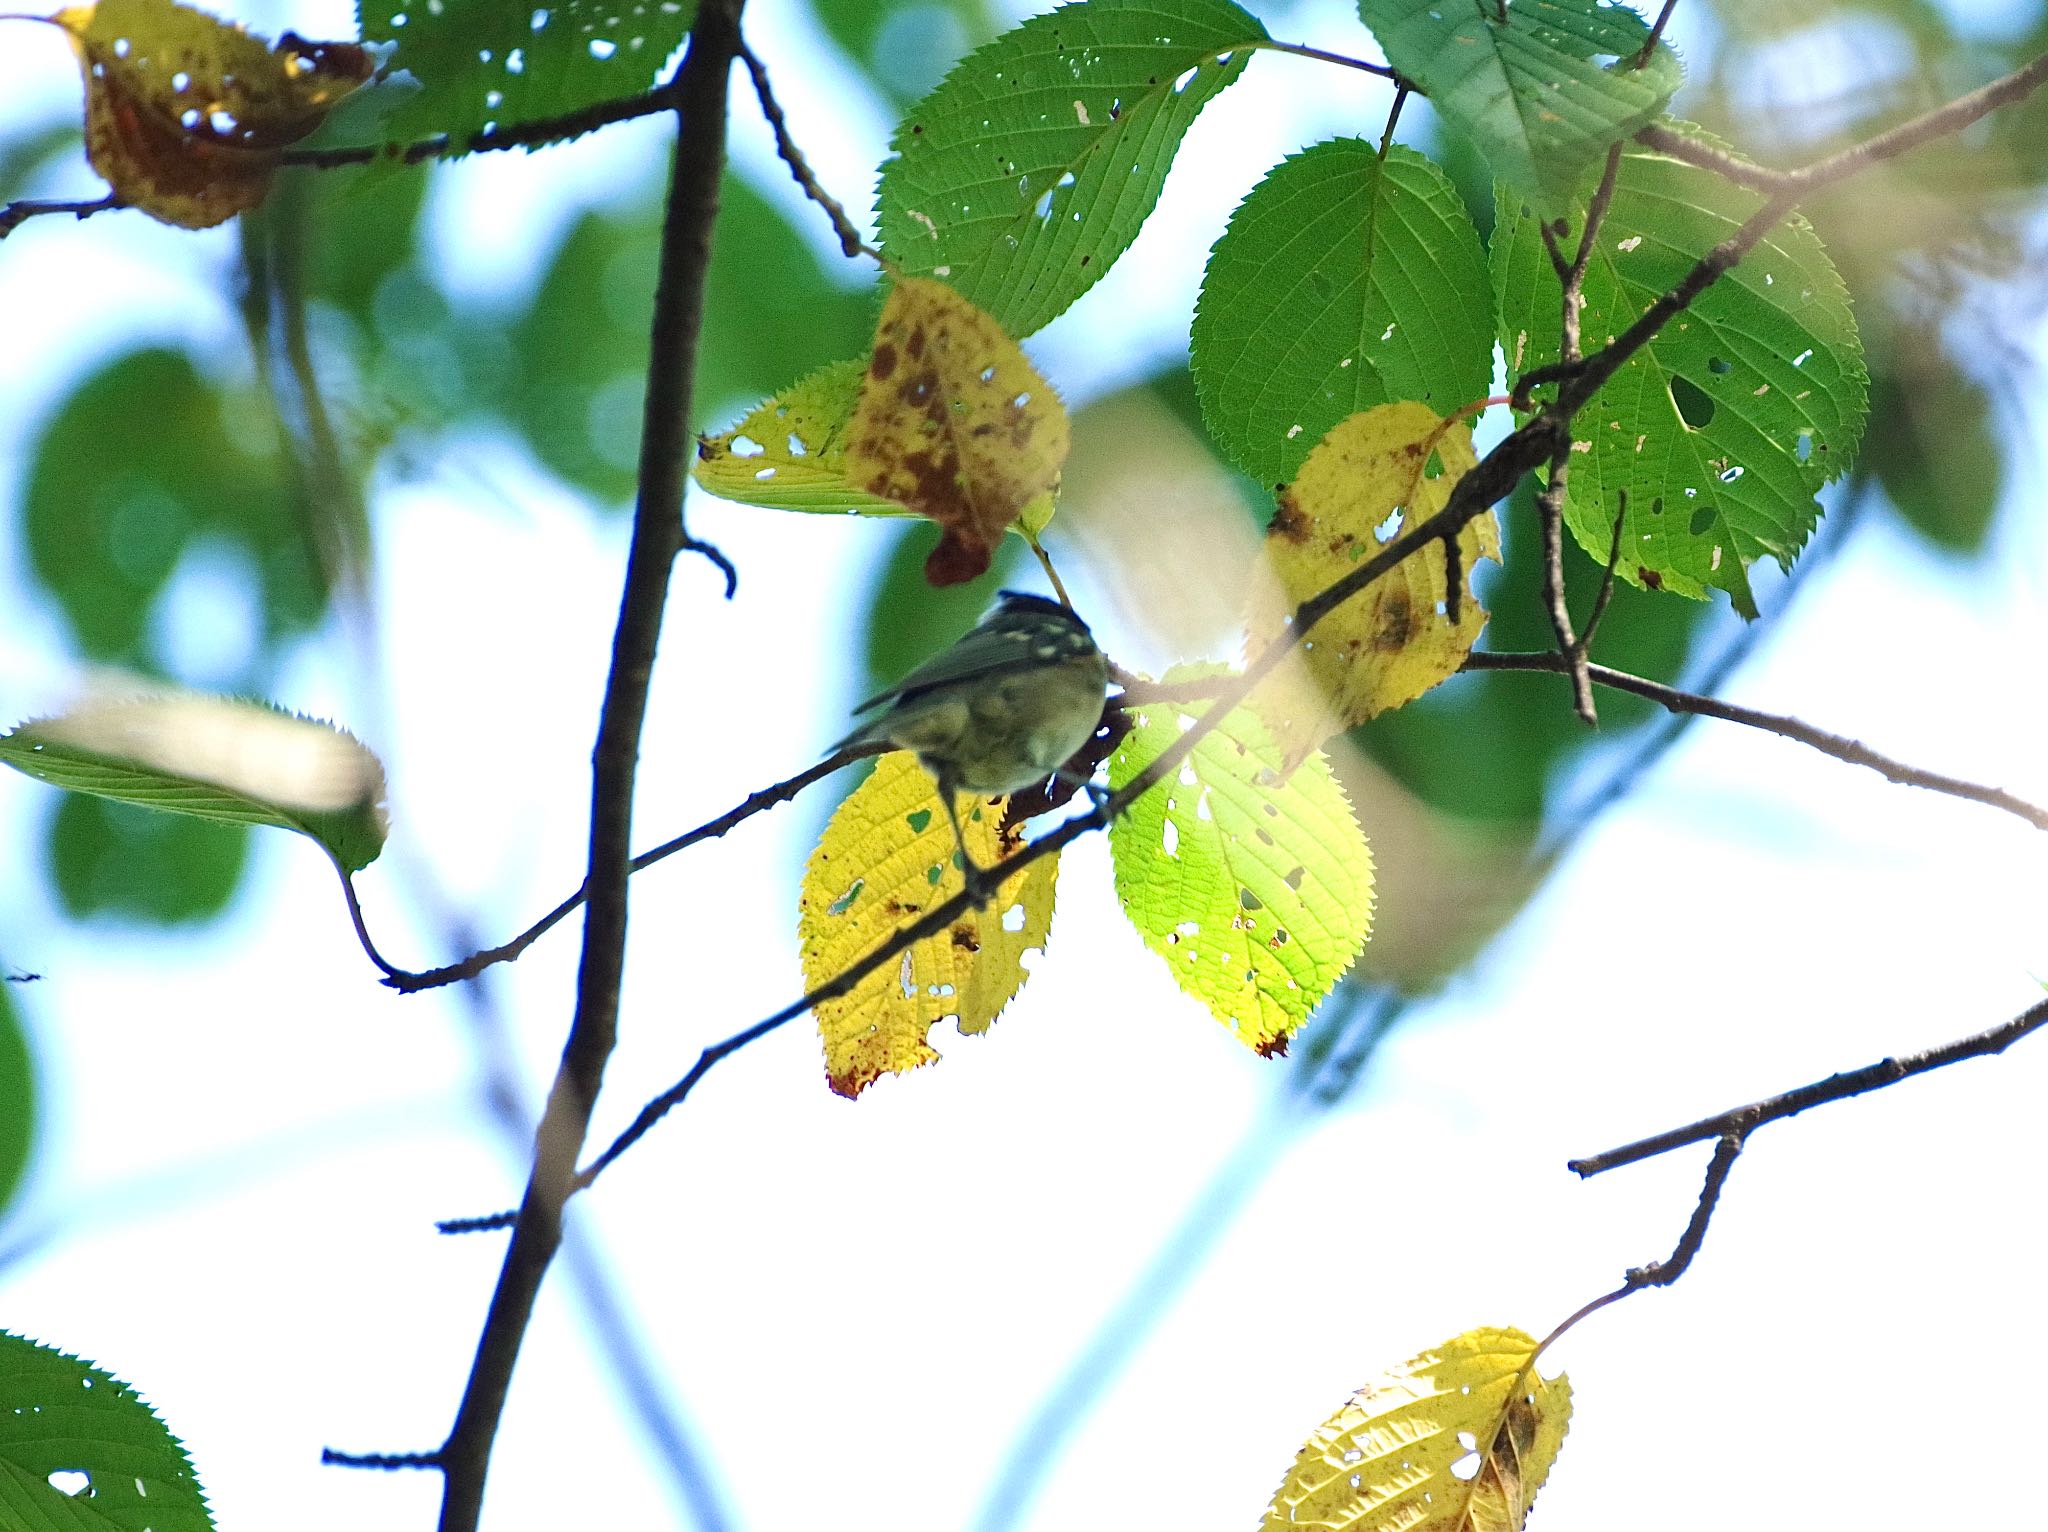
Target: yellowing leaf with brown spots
(954, 423)
(885, 858)
(1459, 1439)
(1376, 475)
(186, 116)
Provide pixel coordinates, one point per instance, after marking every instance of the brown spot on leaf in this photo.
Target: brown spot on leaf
(883, 363)
(1290, 521)
(1650, 578)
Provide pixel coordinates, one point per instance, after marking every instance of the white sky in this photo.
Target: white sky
(857, 1306)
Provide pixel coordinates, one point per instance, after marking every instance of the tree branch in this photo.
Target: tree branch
(1667, 1271)
(1742, 1121)
(405, 981)
(658, 536)
(1841, 747)
(850, 242)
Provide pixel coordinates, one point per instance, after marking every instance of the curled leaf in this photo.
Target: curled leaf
(217, 758)
(186, 116)
(954, 423)
(886, 857)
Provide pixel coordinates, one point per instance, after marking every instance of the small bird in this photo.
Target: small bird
(1003, 708)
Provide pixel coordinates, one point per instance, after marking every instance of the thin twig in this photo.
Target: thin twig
(1667, 1271)
(1302, 50)
(408, 982)
(849, 237)
(1656, 35)
(1571, 654)
(384, 1460)
(516, 135)
(1842, 748)
(15, 214)
(1606, 591)
(658, 536)
(1745, 1120)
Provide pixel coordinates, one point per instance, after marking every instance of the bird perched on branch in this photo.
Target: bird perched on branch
(1005, 707)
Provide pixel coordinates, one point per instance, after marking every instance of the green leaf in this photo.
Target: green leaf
(17, 1097)
(789, 452)
(497, 63)
(1256, 891)
(60, 1415)
(109, 858)
(1932, 444)
(216, 758)
(145, 458)
(1024, 176)
(1341, 283)
(1723, 428)
(1529, 81)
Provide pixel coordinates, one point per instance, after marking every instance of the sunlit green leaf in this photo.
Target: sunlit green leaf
(1024, 176)
(1342, 283)
(1542, 86)
(483, 63)
(1256, 891)
(81, 1452)
(1723, 428)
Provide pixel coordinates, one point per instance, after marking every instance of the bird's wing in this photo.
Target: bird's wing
(982, 653)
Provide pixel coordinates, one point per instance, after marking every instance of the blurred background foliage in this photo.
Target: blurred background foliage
(252, 475)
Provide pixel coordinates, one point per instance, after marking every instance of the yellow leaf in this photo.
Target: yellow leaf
(953, 423)
(886, 857)
(186, 116)
(1459, 1439)
(1376, 475)
(789, 451)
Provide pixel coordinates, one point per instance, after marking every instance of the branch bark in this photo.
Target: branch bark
(659, 535)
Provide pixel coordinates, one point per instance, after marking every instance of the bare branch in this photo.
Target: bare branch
(408, 982)
(849, 237)
(1742, 1121)
(1656, 35)
(533, 134)
(1667, 1271)
(1842, 748)
(15, 214)
(658, 536)
(1322, 55)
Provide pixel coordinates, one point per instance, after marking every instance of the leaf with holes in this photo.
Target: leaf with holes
(885, 858)
(186, 116)
(81, 1452)
(954, 423)
(218, 758)
(1256, 890)
(1458, 1439)
(1023, 177)
(789, 451)
(482, 64)
(1342, 282)
(1377, 475)
(1542, 86)
(1723, 428)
